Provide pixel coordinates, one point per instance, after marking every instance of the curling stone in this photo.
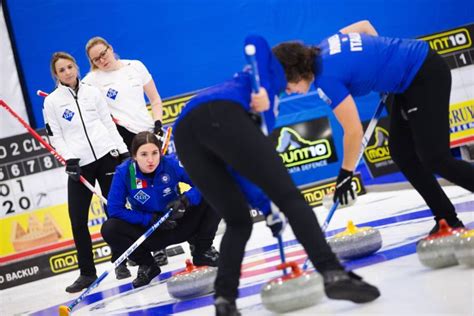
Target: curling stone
(464, 249)
(355, 242)
(293, 291)
(192, 281)
(328, 201)
(437, 250)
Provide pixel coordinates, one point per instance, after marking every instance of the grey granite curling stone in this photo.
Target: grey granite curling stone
(464, 249)
(193, 281)
(437, 250)
(293, 291)
(356, 242)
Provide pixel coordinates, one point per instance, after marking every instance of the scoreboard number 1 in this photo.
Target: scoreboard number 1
(463, 59)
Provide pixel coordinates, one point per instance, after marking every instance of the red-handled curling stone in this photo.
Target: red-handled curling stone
(192, 281)
(293, 291)
(355, 242)
(437, 250)
(464, 249)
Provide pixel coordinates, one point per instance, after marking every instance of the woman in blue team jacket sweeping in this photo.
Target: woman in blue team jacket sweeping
(149, 183)
(213, 132)
(355, 62)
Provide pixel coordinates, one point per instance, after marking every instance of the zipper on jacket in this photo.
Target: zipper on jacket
(82, 120)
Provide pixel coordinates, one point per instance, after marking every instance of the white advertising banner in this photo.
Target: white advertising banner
(10, 88)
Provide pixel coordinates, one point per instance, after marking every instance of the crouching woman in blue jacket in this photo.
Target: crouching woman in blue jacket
(143, 189)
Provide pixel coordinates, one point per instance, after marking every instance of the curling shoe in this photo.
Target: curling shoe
(225, 307)
(161, 258)
(342, 285)
(453, 223)
(145, 274)
(122, 272)
(82, 282)
(210, 257)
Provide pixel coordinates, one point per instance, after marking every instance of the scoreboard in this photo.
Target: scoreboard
(456, 47)
(30, 177)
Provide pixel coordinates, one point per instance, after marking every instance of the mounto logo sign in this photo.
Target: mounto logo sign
(447, 42)
(379, 151)
(377, 155)
(314, 194)
(295, 150)
(68, 260)
(173, 106)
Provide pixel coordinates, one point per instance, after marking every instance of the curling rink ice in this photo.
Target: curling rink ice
(407, 287)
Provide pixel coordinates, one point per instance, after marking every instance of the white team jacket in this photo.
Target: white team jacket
(81, 126)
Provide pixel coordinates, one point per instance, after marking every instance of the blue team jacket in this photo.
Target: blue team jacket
(239, 89)
(357, 64)
(147, 195)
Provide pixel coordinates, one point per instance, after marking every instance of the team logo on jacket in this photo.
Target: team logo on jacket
(141, 197)
(112, 94)
(165, 178)
(167, 191)
(68, 115)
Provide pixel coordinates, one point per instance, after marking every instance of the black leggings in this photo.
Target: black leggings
(127, 136)
(419, 137)
(199, 223)
(218, 134)
(79, 199)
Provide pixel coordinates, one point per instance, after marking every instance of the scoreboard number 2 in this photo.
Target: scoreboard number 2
(8, 206)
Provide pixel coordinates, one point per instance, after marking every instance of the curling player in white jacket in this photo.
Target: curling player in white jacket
(81, 130)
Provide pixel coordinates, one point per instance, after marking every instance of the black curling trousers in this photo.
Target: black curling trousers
(199, 222)
(79, 199)
(419, 137)
(221, 133)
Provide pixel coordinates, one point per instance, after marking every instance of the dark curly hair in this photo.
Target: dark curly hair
(297, 59)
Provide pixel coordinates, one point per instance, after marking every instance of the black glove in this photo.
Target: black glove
(124, 156)
(73, 169)
(343, 187)
(158, 128)
(169, 224)
(179, 206)
(277, 223)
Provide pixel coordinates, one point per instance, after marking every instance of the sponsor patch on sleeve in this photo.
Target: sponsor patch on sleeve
(323, 96)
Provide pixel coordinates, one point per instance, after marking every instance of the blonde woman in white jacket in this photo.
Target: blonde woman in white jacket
(81, 130)
(124, 83)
